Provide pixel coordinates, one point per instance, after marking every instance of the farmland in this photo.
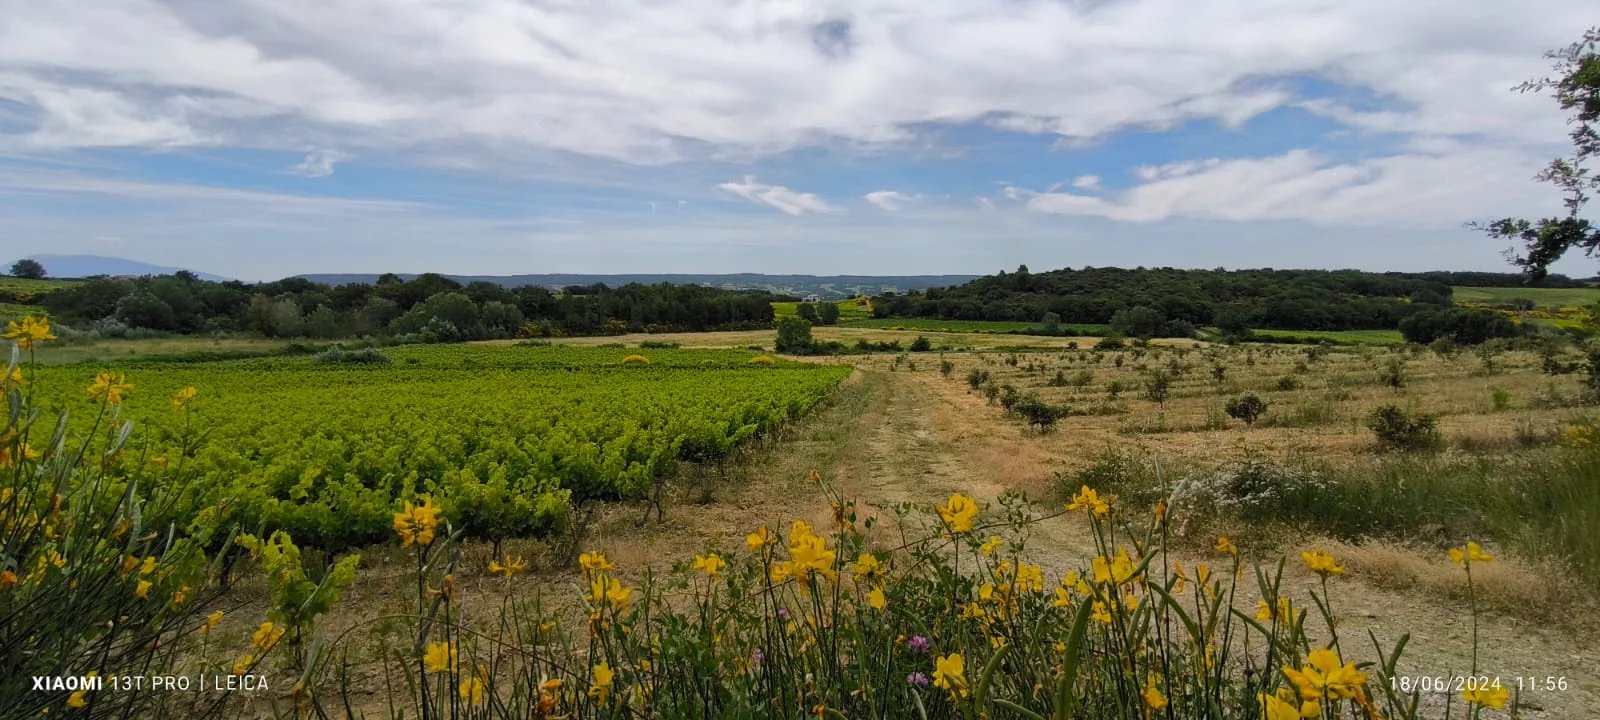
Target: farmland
(499, 436)
(1543, 297)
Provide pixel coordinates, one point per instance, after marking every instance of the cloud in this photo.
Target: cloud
(1437, 190)
(657, 82)
(319, 163)
(34, 184)
(892, 200)
(1087, 182)
(778, 196)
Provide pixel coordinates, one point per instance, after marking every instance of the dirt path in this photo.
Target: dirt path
(921, 437)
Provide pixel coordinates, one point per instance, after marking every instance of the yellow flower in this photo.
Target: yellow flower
(513, 565)
(416, 523)
(1282, 611)
(1323, 676)
(471, 690)
(211, 622)
(149, 565)
(593, 561)
(1277, 708)
(958, 513)
(242, 665)
(77, 700)
(1088, 499)
(990, 545)
(1321, 563)
(266, 636)
(1490, 697)
(1226, 546)
(761, 538)
(1115, 571)
(13, 378)
(28, 331)
(440, 658)
(1472, 553)
(601, 686)
(8, 579)
(867, 567)
(142, 590)
(603, 589)
(711, 564)
(949, 673)
(108, 388)
(1100, 613)
(1152, 693)
(876, 600)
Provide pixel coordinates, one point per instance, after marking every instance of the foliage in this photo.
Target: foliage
(28, 268)
(502, 437)
(1397, 429)
(1463, 326)
(337, 355)
(920, 344)
(1246, 408)
(794, 336)
(1576, 89)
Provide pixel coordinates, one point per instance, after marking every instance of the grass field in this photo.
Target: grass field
(970, 326)
(848, 310)
(1342, 337)
(1543, 297)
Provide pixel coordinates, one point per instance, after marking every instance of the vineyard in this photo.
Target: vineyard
(501, 438)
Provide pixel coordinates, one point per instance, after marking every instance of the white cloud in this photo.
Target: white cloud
(1399, 191)
(892, 200)
(1087, 182)
(778, 196)
(654, 82)
(319, 163)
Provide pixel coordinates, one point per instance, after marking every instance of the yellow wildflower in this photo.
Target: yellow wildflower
(949, 673)
(182, 398)
(958, 513)
(593, 561)
(211, 622)
(1472, 553)
(603, 677)
(990, 545)
(266, 635)
(876, 600)
(243, 664)
(1088, 499)
(711, 564)
(1152, 693)
(1226, 546)
(1494, 697)
(513, 565)
(1115, 571)
(761, 538)
(1281, 611)
(1100, 613)
(8, 579)
(108, 388)
(471, 689)
(1321, 563)
(1277, 708)
(867, 567)
(417, 523)
(142, 590)
(1323, 676)
(77, 699)
(440, 658)
(29, 330)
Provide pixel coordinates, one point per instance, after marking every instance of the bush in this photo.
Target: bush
(636, 360)
(1157, 387)
(794, 336)
(1039, 414)
(658, 345)
(1406, 432)
(1246, 408)
(1110, 342)
(921, 344)
(337, 355)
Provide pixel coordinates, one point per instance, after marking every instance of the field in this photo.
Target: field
(1339, 337)
(498, 435)
(1543, 297)
(533, 453)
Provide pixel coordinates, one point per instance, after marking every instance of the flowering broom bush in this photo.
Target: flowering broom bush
(952, 621)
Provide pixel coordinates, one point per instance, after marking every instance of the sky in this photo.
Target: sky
(263, 138)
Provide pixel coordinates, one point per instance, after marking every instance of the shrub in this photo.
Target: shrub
(636, 360)
(1110, 342)
(1246, 408)
(921, 344)
(1157, 387)
(1501, 398)
(337, 355)
(794, 336)
(977, 377)
(658, 345)
(762, 360)
(1039, 414)
(946, 367)
(1286, 383)
(1399, 430)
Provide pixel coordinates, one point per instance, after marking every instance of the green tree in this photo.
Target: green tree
(808, 312)
(1576, 87)
(28, 268)
(794, 336)
(828, 313)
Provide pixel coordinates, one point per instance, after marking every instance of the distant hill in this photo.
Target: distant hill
(826, 286)
(77, 266)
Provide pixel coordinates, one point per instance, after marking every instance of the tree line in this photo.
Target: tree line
(429, 307)
(1168, 302)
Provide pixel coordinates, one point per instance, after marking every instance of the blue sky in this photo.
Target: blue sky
(258, 139)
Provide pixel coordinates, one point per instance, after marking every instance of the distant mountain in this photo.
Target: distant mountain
(826, 286)
(77, 266)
